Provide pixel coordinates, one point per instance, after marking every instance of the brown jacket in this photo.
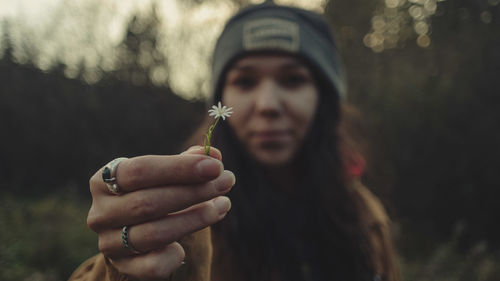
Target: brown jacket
(200, 250)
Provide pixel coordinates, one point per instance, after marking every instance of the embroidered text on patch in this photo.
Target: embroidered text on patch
(269, 33)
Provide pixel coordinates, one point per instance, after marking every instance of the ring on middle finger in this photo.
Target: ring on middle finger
(126, 240)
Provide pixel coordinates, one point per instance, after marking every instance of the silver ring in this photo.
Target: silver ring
(126, 242)
(109, 175)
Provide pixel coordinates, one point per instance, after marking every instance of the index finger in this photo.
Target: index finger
(159, 170)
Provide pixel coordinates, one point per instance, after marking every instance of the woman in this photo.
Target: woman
(298, 212)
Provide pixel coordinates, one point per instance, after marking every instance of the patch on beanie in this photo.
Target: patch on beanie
(271, 33)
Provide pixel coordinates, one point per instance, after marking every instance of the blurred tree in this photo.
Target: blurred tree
(139, 58)
(60, 130)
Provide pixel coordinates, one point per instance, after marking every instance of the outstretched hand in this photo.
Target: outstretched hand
(163, 199)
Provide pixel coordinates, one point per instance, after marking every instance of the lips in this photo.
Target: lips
(272, 136)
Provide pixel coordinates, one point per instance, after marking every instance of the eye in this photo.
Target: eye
(294, 80)
(244, 82)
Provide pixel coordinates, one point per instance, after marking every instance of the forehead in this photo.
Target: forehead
(262, 62)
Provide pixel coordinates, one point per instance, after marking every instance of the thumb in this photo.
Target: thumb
(197, 149)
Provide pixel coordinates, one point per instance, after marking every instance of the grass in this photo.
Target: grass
(447, 262)
(43, 239)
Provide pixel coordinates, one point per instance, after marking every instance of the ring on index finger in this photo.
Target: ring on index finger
(109, 175)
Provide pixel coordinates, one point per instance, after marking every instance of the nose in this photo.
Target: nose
(268, 101)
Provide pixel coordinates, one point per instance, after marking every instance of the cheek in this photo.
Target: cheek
(235, 100)
(303, 108)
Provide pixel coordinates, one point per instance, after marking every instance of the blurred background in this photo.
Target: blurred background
(85, 81)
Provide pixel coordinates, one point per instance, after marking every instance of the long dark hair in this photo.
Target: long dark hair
(311, 234)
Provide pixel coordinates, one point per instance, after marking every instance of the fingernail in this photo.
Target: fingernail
(209, 168)
(226, 181)
(223, 205)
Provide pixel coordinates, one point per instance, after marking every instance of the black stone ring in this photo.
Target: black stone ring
(126, 242)
(109, 175)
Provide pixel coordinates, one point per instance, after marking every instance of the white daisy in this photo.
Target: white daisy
(220, 111)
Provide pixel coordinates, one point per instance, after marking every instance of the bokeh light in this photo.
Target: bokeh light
(399, 21)
(486, 17)
(423, 40)
(421, 27)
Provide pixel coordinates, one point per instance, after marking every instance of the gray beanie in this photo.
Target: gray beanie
(270, 27)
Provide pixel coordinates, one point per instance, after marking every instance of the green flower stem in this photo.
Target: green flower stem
(208, 136)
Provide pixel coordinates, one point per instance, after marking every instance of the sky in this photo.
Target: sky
(61, 30)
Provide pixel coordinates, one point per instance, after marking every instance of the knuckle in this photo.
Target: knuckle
(94, 221)
(104, 246)
(135, 173)
(152, 236)
(142, 206)
(94, 182)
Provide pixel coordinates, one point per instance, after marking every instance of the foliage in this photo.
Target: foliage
(43, 239)
(447, 262)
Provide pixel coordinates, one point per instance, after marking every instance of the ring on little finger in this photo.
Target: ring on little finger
(109, 175)
(126, 240)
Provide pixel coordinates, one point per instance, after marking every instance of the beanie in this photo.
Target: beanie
(290, 30)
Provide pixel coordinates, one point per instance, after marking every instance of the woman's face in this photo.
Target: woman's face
(274, 98)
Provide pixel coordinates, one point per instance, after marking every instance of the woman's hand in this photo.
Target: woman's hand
(163, 199)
